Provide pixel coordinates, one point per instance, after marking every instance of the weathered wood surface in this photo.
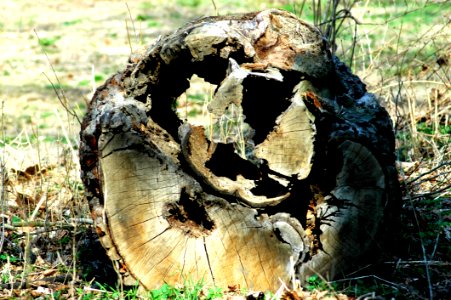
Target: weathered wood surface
(310, 186)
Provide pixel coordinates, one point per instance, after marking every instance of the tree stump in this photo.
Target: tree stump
(306, 183)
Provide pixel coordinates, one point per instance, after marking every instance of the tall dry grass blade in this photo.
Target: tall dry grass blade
(62, 98)
(72, 147)
(215, 7)
(423, 250)
(133, 24)
(3, 179)
(128, 37)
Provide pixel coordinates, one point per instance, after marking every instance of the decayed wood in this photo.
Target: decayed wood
(309, 188)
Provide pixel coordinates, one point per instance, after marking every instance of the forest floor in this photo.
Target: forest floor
(55, 53)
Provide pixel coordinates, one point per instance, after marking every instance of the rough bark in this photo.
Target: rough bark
(309, 186)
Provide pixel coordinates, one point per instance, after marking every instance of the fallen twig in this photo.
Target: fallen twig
(406, 263)
(28, 284)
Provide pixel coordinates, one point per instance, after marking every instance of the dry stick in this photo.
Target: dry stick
(128, 36)
(418, 42)
(62, 99)
(74, 260)
(418, 262)
(66, 135)
(331, 17)
(410, 197)
(446, 163)
(410, 82)
(27, 284)
(3, 192)
(394, 285)
(215, 7)
(436, 241)
(70, 223)
(423, 249)
(443, 174)
(133, 26)
(302, 7)
(44, 226)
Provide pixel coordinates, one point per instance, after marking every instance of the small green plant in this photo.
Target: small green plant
(5, 258)
(368, 285)
(314, 282)
(153, 23)
(72, 22)
(165, 292)
(5, 274)
(48, 41)
(144, 17)
(56, 86)
(65, 240)
(189, 291)
(189, 3)
(429, 128)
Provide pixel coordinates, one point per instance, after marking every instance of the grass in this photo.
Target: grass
(401, 51)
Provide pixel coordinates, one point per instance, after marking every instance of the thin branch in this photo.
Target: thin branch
(128, 36)
(406, 263)
(394, 285)
(28, 284)
(215, 7)
(3, 191)
(446, 163)
(69, 224)
(433, 193)
(423, 248)
(62, 99)
(133, 23)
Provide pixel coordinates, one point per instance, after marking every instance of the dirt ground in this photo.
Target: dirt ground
(84, 42)
(74, 46)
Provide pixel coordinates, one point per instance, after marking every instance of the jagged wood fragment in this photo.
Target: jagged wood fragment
(309, 188)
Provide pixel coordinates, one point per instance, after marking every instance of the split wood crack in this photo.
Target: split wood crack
(305, 180)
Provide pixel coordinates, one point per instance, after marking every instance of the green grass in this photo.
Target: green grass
(316, 283)
(429, 128)
(72, 22)
(189, 3)
(142, 17)
(416, 15)
(47, 42)
(150, 20)
(98, 78)
(189, 291)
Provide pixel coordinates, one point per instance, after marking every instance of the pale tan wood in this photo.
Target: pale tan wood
(309, 191)
(360, 196)
(197, 153)
(241, 247)
(293, 134)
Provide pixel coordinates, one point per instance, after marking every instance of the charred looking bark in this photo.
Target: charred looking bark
(304, 180)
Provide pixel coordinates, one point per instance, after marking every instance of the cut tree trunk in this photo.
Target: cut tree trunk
(303, 182)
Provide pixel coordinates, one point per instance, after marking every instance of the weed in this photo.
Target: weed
(48, 41)
(189, 3)
(72, 22)
(189, 291)
(144, 17)
(314, 282)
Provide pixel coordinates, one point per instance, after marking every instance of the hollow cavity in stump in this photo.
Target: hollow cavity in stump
(292, 171)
